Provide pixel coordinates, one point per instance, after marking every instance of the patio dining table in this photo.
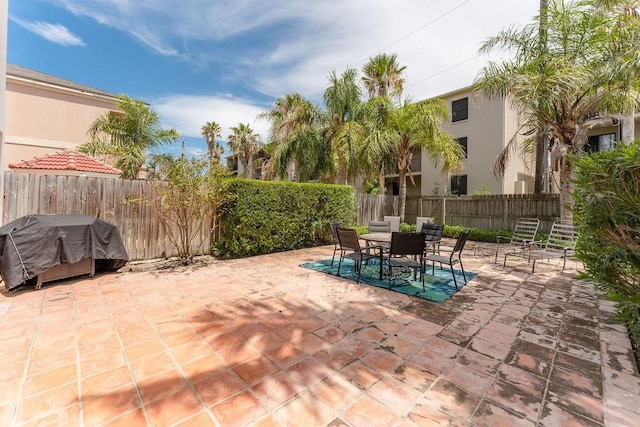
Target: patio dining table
(384, 239)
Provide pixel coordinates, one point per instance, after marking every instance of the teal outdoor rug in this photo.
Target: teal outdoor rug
(437, 288)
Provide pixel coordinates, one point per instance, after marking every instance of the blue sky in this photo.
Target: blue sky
(195, 61)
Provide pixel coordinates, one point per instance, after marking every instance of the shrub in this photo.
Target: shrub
(272, 216)
(607, 213)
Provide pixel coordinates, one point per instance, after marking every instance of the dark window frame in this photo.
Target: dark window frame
(459, 185)
(464, 143)
(460, 109)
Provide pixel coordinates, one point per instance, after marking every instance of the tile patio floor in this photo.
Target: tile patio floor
(263, 342)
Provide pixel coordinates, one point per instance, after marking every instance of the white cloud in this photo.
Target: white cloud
(188, 113)
(316, 37)
(55, 33)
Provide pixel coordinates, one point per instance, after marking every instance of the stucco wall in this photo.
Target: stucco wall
(43, 119)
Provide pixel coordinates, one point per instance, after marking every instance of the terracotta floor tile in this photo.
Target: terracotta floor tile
(224, 340)
(523, 380)
(220, 387)
(330, 334)
(431, 361)
(491, 415)
(478, 362)
(255, 369)
(577, 403)
(333, 358)
(97, 348)
(382, 360)
(488, 348)
(509, 396)
(12, 372)
(303, 411)
(151, 366)
(453, 397)
(585, 385)
(200, 420)
(191, 351)
(414, 376)
(361, 375)
(336, 393)
(101, 363)
(553, 415)
(159, 386)
(50, 379)
(427, 413)
(237, 354)
(105, 382)
(174, 408)
(129, 419)
(286, 355)
(395, 394)
(311, 344)
(468, 379)
(10, 392)
(69, 416)
(239, 410)
(203, 368)
(142, 350)
(308, 372)
(110, 405)
(277, 389)
(370, 412)
(39, 405)
(54, 361)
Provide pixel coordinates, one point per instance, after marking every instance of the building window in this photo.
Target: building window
(463, 143)
(600, 142)
(459, 184)
(460, 110)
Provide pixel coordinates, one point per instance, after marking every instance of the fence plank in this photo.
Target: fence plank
(120, 202)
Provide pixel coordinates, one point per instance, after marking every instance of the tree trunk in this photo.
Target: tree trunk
(541, 159)
(628, 128)
(402, 181)
(381, 187)
(566, 190)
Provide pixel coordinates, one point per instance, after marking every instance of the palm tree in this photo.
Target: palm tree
(293, 135)
(210, 131)
(344, 130)
(383, 76)
(127, 137)
(418, 126)
(579, 74)
(245, 143)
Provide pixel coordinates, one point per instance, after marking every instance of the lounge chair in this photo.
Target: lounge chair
(560, 244)
(524, 234)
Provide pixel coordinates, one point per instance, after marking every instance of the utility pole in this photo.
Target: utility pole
(541, 174)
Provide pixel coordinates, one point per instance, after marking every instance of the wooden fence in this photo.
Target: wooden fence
(123, 203)
(492, 212)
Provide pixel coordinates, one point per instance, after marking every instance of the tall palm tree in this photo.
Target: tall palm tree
(293, 135)
(417, 126)
(579, 74)
(127, 137)
(245, 143)
(344, 130)
(210, 131)
(383, 76)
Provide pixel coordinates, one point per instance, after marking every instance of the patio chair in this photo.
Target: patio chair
(334, 234)
(406, 250)
(451, 260)
(561, 243)
(423, 220)
(433, 236)
(394, 223)
(379, 227)
(350, 248)
(524, 234)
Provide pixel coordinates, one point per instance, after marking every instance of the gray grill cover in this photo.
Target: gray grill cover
(44, 241)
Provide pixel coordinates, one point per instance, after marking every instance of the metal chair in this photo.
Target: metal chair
(450, 260)
(336, 243)
(379, 227)
(524, 234)
(433, 236)
(406, 250)
(561, 243)
(394, 222)
(350, 248)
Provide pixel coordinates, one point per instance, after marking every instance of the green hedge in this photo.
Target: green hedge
(607, 213)
(273, 216)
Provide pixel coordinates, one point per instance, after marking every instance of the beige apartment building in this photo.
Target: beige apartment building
(46, 114)
(484, 128)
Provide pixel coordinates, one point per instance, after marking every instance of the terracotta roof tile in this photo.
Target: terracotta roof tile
(67, 160)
